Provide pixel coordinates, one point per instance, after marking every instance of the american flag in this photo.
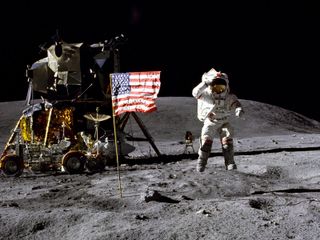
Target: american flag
(135, 91)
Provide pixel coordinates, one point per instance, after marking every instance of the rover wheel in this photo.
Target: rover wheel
(96, 164)
(12, 165)
(73, 162)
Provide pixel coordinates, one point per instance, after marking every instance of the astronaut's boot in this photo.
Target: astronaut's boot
(202, 160)
(204, 153)
(228, 153)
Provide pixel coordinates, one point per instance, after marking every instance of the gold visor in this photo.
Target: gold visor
(218, 88)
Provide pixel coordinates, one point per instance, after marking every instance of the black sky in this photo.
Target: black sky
(270, 49)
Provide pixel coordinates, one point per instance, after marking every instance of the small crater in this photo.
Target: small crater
(275, 172)
(38, 227)
(260, 203)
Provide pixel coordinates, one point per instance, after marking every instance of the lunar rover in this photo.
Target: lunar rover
(69, 127)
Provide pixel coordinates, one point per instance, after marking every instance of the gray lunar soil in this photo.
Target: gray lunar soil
(274, 194)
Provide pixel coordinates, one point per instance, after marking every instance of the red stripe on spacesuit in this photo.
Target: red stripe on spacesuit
(199, 96)
(226, 140)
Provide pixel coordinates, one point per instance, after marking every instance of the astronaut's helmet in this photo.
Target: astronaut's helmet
(219, 85)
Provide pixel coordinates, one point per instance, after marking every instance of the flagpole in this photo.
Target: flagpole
(115, 139)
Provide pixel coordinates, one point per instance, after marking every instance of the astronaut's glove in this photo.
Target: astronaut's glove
(239, 112)
(207, 79)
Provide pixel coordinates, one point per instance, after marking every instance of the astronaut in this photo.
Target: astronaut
(215, 106)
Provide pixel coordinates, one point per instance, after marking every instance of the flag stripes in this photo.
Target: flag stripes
(135, 91)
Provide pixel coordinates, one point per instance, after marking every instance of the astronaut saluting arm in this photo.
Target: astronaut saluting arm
(215, 106)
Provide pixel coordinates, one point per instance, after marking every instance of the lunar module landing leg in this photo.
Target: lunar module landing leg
(143, 128)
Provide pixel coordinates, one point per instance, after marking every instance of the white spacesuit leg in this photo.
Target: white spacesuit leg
(204, 153)
(226, 139)
(205, 145)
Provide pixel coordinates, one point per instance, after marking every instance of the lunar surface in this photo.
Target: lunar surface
(274, 193)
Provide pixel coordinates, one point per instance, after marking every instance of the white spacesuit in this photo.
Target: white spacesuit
(215, 105)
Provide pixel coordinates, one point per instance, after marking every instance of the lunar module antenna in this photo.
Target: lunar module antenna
(79, 96)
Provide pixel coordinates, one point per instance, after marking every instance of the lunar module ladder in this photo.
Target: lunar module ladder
(143, 128)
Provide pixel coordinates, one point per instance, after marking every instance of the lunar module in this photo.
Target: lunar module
(68, 127)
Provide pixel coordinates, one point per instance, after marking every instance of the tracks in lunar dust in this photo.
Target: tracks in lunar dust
(174, 158)
(288, 190)
(276, 150)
